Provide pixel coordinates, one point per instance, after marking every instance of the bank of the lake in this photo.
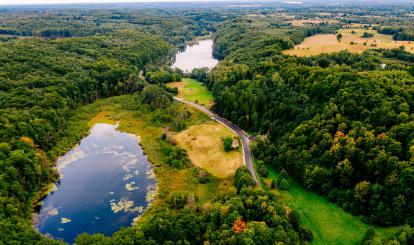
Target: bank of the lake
(136, 121)
(106, 182)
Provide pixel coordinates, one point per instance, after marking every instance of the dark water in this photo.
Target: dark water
(106, 182)
(196, 56)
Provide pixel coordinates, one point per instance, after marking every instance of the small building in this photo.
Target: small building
(235, 144)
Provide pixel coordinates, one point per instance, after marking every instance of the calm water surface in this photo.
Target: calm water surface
(106, 182)
(196, 56)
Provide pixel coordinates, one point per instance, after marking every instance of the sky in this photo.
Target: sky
(7, 2)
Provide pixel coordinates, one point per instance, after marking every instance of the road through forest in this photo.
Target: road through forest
(247, 155)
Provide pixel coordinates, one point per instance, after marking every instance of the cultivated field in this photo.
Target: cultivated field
(194, 91)
(205, 148)
(328, 43)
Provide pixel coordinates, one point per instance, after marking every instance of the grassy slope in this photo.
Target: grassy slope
(193, 90)
(329, 223)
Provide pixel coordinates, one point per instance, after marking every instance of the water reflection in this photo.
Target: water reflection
(106, 182)
(196, 56)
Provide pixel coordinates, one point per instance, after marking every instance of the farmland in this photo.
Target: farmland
(352, 41)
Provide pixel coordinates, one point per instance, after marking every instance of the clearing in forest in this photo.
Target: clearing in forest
(329, 223)
(205, 148)
(194, 91)
(351, 41)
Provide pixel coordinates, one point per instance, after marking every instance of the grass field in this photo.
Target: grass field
(205, 148)
(311, 21)
(329, 223)
(327, 43)
(193, 90)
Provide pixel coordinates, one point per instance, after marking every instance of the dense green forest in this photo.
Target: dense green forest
(243, 40)
(42, 81)
(250, 217)
(340, 124)
(67, 59)
(183, 27)
(398, 33)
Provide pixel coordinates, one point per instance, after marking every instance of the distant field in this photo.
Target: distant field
(327, 43)
(205, 149)
(193, 90)
(330, 224)
(312, 21)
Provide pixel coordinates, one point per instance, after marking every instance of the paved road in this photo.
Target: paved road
(247, 155)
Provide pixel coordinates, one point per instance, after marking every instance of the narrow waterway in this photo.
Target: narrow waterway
(106, 183)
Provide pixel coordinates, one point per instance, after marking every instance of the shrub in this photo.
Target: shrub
(175, 157)
(367, 35)
(177, 200)
(273, 184)
(202, 175)
(283, 184)
(156, 97)
(227, 142)
(283, 180)
(243, 178)
(262, 169)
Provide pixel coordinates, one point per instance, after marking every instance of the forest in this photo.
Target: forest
(340, 124)
(250, 217)
(41, 83)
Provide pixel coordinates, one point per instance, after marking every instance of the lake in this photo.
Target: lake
(196, 56)
(106, 183)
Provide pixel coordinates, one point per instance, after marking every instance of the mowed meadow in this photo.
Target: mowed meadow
(203, 142)
(351, 41)
(194, 91)
(204, 146)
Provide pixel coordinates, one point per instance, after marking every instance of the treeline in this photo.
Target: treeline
(398, 33)
(244, 40)
(338, 124)
(404, 236)
(399, 54)
(41, 83)
(162, 75)
(174, 26)
(250, 216)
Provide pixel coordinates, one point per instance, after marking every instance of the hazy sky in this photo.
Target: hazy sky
(80, 1)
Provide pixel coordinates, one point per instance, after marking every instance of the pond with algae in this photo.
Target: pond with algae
(106, 183)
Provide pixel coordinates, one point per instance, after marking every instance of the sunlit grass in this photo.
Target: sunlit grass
(351, 41)
(329, 223)
(194, 91)
(204, 146)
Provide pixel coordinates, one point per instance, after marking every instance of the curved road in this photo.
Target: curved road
(247, 155)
